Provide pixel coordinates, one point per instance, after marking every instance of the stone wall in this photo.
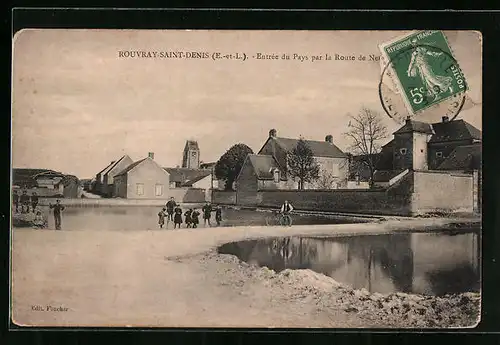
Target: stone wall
(436, 191)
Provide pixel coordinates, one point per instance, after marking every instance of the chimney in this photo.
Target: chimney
(408, 119)
(445, 119)
(329, 138)
(272, 133)
(151, 155)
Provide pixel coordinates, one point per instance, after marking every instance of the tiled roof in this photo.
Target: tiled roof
(454, 130)
(186, 175)
(189, 183)
(111, 166)
(107, 166)
(130, 167)
(263, 165)
(319, 148)
(24, 176)
(463, 158)
(415, 126)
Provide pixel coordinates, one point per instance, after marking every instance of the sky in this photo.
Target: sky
(77, 105)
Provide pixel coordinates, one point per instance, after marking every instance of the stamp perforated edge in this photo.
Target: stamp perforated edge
(397, 83)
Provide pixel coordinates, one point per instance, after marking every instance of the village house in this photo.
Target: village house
(267, 170)
(107, 187)
(46, 182)
(143, 179)
(447, 146)
(424, 146)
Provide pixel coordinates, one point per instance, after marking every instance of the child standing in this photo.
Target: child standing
(177, 217)
(218, 215)
(161, 217)
(188, 218)
(194, 218)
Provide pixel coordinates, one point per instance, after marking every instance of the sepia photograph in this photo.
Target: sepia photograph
(246, 179)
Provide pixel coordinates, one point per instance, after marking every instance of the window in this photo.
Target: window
(139, 188)
(159, 190)
(402, 151)
(439, 154)
(276, 175)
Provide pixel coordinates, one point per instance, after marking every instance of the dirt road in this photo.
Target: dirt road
(172, 278)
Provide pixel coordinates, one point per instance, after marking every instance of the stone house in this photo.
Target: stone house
(424, 146)
(267, 170)
(448, 147)
(143, 179)
(107, 187)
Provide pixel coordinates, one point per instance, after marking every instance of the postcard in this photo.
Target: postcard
(249, 179)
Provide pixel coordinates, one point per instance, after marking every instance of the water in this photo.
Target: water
(425, 263)
(123, 218)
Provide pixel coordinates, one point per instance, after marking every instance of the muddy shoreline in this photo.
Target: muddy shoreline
(175, 278)
(400, 310)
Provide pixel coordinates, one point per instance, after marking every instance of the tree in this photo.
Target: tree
(366, 132)
(301, 163)
(229, 165)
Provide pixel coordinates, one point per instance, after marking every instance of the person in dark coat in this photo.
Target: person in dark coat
(188, 219)
(218, 215)
(57, 213)
(194, 218)
(177, 216)
(25, 202)
(15, 200)
(161, 217)
(207, 213)
(170, 208)
(34, 201)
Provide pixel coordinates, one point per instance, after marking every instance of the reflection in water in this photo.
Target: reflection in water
(408, 262)
(146, 218)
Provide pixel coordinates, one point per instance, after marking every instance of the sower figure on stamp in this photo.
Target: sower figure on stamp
(418, 66)
(57, 213)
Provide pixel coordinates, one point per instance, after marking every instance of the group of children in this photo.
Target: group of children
(173, 212)
(25, 201)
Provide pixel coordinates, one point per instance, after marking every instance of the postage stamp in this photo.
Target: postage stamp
(424, 69)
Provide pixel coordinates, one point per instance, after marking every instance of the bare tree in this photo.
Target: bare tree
(366, 132)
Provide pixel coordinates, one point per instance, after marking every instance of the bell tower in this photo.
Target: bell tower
(191, 155)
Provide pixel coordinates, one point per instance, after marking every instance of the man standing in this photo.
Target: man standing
(34, 201)
(15, 200)
(207, 213)
(57, 213)
(170, 208)
(25, 202)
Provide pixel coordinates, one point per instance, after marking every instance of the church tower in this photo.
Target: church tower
(191, 156)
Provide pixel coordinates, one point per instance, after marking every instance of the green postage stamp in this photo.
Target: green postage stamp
(423, 68)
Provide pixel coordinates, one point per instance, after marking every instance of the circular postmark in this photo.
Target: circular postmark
(423, 82)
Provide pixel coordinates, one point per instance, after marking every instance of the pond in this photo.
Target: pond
(123, 218)
(434, 263)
